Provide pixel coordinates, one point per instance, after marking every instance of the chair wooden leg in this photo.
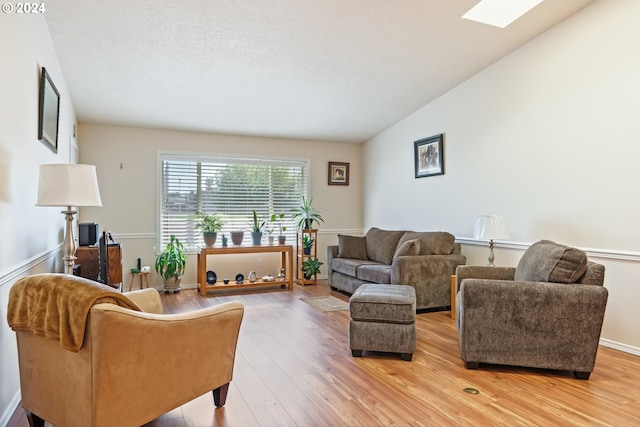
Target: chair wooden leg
(220, 395)
(34, 420)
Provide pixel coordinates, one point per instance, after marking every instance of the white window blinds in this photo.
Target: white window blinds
(229, 187)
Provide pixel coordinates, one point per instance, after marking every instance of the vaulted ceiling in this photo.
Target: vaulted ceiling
(337, 70)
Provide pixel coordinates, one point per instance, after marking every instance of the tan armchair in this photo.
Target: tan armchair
(133, 366)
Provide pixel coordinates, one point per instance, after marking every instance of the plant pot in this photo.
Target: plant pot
(256, 238)
(306, 251)
(282, 240)
(271, 239)
(172, 285)
(209, 238)
(308, 223)
(237, 237)
(308, 276)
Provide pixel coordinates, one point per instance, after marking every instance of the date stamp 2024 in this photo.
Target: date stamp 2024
(23, 8)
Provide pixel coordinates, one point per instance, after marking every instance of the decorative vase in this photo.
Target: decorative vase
(209, 238)
(237, 237)
(253, 277)
(256, 237)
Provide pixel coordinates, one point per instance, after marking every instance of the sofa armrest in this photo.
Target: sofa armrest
(483, 272)
(535, 324)
(332, 252)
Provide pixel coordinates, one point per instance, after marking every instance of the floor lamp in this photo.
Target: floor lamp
(68, 185)
(491, 227)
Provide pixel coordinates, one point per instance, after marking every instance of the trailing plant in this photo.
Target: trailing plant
(208, 223)
(306, 214)
(171, 262)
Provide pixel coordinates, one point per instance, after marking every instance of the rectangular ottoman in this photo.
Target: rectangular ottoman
(383, 318)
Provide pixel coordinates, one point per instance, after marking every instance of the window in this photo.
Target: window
(229, 187)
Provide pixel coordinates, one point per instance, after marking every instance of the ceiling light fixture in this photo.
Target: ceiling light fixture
(500, 13)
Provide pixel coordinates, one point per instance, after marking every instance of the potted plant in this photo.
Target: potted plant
(310, 267)
(170, 264)
(306, 214)
(256, 229)
(210, 225)
(307, 243)
(278, 219)
(270, 235)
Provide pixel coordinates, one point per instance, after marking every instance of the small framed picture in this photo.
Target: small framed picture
(338, 173)
(429, 156)
(49, 112)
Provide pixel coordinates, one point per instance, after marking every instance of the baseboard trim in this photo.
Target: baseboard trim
(619, 346)
(10, 409)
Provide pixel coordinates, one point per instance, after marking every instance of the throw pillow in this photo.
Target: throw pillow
(408, 248)
(352, 247)
(431, 242)
(547, 261)
(382, 244)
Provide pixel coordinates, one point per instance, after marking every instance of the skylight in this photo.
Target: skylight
(500, 13)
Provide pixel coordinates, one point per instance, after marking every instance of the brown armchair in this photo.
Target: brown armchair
(132, 366)
(546, 313)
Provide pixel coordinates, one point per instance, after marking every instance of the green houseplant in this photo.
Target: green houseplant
(278, 219)
(306, 214)
(310, 267)
(210, 224)
(307, 243)
(170, 264)
(256, 229)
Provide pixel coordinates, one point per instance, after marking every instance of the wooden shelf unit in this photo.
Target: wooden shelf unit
(300, 256)
(88, 257)
(286, 262)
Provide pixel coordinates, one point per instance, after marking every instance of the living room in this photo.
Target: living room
(545, 136)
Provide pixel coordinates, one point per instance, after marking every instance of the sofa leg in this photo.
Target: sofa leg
(220, 395)
(34, 420)
(356, 353)
(581, 375)
(406, 356)
(472, 365)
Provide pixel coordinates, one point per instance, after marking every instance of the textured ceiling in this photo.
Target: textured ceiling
(338, 70)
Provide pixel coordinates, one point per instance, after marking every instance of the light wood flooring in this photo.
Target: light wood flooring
(294, 368)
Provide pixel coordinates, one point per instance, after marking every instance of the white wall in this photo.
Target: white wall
(548, 137)
(30, 236)
(129, 195)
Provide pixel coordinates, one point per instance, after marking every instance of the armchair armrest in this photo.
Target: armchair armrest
(147, 299)
(483, 272)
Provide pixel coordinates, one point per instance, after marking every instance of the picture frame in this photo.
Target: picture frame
(429, 156)
(338, 173)
(49, 112)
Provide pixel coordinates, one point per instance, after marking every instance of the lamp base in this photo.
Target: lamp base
(491, 256)
(69, 242)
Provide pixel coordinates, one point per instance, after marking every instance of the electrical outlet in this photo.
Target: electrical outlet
(259, 262)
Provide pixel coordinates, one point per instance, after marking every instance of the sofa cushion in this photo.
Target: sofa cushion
(431, 242)
(375, 273)
(348, 266)
(381, 244)
(408, 248)
(352, 247)
(547, 261)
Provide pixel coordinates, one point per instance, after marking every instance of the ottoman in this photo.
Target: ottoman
(383, 318)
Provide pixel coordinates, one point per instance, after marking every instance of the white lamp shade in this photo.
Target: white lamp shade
(491, 227)
(68, 185)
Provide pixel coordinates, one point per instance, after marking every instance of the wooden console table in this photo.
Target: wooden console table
(286, 262)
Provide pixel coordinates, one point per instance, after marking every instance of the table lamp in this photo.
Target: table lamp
(491, 227)
(68, 185)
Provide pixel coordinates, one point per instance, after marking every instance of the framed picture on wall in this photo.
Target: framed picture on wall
(49, 112)
(429, 156)
(338, 173)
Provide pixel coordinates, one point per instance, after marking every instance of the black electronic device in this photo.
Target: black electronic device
(88, 233)
(103, 262)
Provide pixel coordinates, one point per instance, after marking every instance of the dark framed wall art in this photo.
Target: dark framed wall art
(429, 156)
(49, 112)
(338, 173)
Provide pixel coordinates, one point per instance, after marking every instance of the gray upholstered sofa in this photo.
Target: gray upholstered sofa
(545, 313)
(424, 260)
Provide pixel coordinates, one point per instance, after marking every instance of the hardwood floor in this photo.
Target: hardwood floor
(294, 368)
